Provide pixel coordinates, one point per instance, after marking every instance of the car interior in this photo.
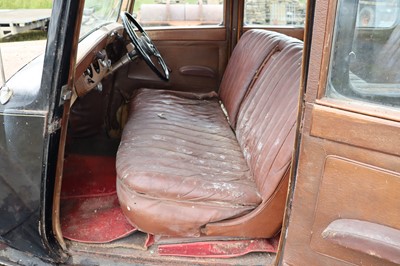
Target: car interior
(205, 132)
(180, 142)
(183, 149)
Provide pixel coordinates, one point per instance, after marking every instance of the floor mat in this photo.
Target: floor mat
(88, 176)
(94, 219)
(217, 249)
(89, 207)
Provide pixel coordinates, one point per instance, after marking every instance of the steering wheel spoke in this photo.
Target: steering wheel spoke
(144, 46)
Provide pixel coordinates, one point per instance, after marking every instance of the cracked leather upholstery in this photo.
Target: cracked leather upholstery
(254, 47)
(266, 122)
(181, 167)
(184, 154)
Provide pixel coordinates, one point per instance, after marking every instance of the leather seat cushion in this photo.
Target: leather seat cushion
(180, 161)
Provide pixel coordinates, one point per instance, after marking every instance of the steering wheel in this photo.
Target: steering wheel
(144, 46)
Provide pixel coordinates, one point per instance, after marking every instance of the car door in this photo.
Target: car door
(31, 115)
(344, 205)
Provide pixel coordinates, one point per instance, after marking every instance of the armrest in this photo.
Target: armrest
(199, 71)
(370, 238)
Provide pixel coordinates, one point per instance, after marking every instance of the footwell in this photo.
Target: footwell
(90, 214)
(90, 211)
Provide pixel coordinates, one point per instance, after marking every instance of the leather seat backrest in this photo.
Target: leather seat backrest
(249, 54)
(267, 117)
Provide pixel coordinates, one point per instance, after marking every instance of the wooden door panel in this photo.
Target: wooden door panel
(342, 195)
(348, 159)
(206, 59)
(355, 129)
(201, 50)
(310, 214)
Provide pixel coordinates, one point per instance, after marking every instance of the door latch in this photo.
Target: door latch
(66, 94)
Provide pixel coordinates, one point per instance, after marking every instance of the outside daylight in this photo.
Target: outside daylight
(23, 26)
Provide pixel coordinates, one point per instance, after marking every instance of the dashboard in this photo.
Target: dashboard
(97, 53)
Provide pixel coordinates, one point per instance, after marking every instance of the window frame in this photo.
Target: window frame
(354, 105)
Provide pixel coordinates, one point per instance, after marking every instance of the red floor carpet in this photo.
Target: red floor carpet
(90, 213)
(90, 210)
(88, 176)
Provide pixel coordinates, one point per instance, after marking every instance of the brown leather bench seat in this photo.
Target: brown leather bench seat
(185, 169)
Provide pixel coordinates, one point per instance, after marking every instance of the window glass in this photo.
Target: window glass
(275, 12)
(97, 13)
(377, 14)
(365, 57)
(154, 13)
(23, 28)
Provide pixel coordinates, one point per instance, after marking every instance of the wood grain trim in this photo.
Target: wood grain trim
(371, 109)
(56, 221)
(352, 189)
(93, 43)
(356, 129)
(308, 30)
(327, 49)
(187, 34)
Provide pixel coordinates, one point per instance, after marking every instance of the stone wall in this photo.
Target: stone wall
(274, 12)
(205, 2)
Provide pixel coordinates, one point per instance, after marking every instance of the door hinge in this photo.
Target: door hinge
(66, 94)
(54, 126)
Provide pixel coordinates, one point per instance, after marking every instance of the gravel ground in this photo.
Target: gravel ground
(17, 54)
